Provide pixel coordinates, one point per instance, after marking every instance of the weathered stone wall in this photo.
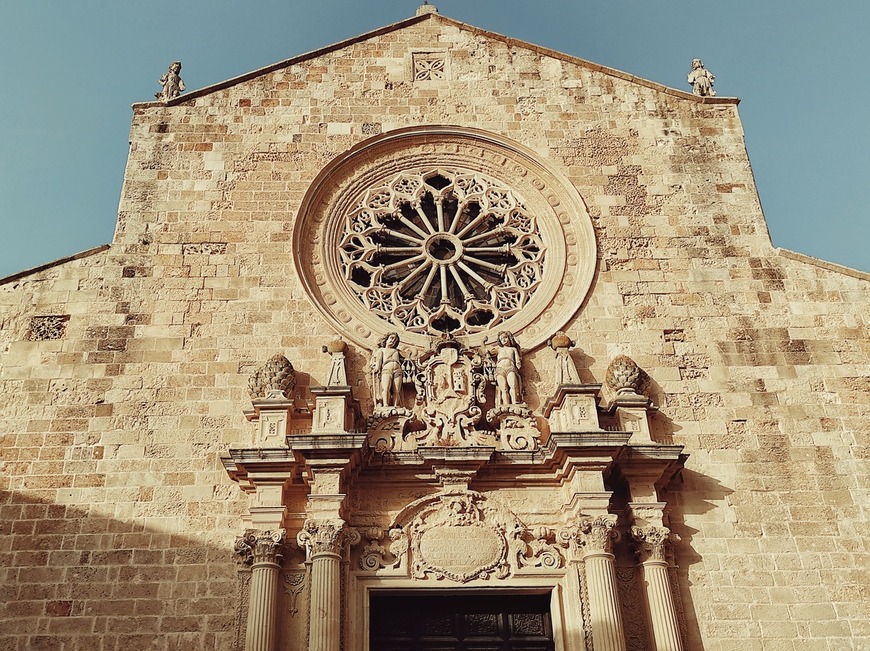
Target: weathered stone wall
(117, 516)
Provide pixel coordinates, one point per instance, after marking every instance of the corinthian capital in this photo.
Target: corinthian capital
(598, 533)
(326, 536)
(653, 542)
(260, 546)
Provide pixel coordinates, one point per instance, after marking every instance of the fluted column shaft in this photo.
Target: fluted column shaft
(324, 541)
(607, 632)
(262, 550)
(325, 631)
(657, 589)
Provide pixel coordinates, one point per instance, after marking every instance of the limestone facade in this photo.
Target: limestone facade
(671, 445)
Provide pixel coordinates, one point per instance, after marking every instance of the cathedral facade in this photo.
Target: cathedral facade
(435, 339)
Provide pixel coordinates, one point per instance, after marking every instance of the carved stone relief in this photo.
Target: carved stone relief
(429, 66)
(45, 328)
(450, 393)
(631, 601)
(415, 231)
(459, 535)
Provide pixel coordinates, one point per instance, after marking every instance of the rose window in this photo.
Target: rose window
(442, 251)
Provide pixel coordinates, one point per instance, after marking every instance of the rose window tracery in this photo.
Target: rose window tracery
(442, 250)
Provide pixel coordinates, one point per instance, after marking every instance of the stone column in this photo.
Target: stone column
(262, 551)
(659, 598)
(607, 632)
(324, 541)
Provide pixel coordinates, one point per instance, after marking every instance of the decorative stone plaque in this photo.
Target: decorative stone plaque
(461, 553)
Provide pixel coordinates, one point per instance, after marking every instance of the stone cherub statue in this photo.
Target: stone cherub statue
(508, 381)
(386, 369)
(701, 80)
(171, 83)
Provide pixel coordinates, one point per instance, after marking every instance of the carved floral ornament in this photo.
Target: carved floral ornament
(429, 231)
(463, 535)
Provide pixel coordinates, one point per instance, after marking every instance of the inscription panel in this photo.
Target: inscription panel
(461, 550)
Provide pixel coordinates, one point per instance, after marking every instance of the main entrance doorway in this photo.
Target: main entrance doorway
(450, 622)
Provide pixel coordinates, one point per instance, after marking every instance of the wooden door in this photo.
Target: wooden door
(452, 622)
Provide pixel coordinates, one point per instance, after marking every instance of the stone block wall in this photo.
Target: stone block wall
(116, 516)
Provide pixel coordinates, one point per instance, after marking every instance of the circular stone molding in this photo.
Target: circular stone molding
(434, 229)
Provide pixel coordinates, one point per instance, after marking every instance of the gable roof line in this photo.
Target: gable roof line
(508, 40)
(54, 263)
(613, 72)
(299, 58)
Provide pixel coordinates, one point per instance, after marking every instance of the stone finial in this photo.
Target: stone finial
(172, 85)
(701, 79)
(338, 367)
(275, 379)
(624, 376)
(566, 370)
(426, 8)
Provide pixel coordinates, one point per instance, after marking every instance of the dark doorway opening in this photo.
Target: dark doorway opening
(451, 622)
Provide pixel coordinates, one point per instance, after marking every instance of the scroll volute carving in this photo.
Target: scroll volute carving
(257, 546)
(328, 536)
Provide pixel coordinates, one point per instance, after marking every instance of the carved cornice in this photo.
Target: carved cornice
(653, 542)
(326, 537)
(256, 547)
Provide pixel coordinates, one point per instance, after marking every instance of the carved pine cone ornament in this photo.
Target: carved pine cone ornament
(275, 375)
(624, 375)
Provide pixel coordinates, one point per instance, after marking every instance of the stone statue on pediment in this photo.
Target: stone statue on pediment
(701, 79)
(508, 380)
(171, 83)
(386, 370)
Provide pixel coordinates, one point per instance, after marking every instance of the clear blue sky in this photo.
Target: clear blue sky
(70, 71)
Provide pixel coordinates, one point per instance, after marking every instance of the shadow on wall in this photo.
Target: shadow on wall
(694, 494)
(73, 580)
